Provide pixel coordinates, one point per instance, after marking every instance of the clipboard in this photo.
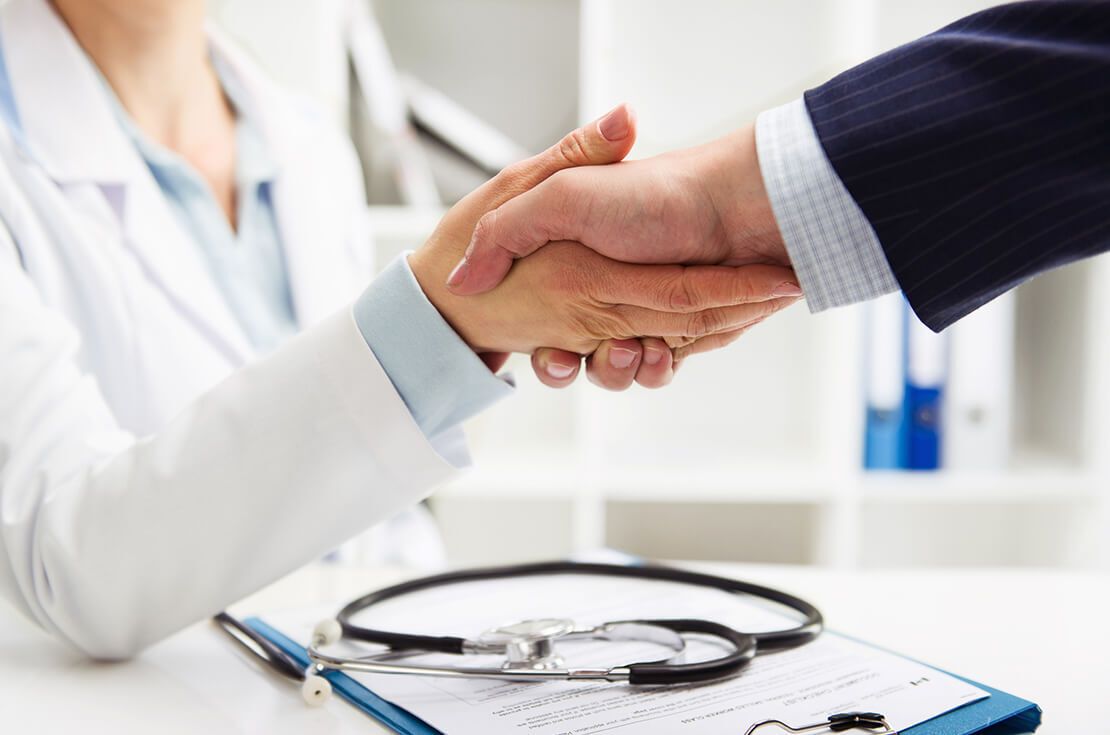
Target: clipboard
(999, 714)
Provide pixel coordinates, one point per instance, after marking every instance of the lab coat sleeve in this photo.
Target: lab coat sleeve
(114, 541)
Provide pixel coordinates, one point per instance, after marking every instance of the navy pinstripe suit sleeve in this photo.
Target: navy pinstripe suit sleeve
(980, 153)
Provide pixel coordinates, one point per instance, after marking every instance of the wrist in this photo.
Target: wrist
(430, 270)
(474, 318)
(734, 182)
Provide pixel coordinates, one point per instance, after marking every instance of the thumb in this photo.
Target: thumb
(606, 140)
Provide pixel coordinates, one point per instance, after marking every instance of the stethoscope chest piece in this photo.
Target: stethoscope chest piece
(532, 645)
(528, 644)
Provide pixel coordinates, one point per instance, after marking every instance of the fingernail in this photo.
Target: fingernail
(558, 371)
(787, 289)
(614, 126)
(620, 358)
(459, 274)
(652, 355)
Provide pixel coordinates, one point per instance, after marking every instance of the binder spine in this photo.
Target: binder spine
(923, 436)
(883, 441)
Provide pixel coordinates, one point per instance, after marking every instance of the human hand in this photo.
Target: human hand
(572, 298)
(702, 205)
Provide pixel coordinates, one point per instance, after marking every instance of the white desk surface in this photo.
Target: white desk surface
(1038, 634)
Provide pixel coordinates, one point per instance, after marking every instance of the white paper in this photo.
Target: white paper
(800, 687)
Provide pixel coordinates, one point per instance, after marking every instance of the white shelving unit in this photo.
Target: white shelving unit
(772, 472)
(754, 453)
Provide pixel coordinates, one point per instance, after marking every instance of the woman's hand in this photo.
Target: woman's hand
(569, 297)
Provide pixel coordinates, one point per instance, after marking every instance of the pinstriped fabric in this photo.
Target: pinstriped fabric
(980, 154)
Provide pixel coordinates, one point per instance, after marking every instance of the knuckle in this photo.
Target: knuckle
(681, 292)
(573, 149)
(484, 229)
(743, 290)
(703, 323)
(677, 343)
(709, 343)
(770, 307)
(515, 178)
(681, 353)
(733, 287)
(601, 324)
(512, 174)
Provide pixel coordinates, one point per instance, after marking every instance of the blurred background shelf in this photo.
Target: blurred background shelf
(754, 453)
(543, 476)
(1015, 485)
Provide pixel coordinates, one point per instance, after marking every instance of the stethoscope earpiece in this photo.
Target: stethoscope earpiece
(316, 689)
(327, 632)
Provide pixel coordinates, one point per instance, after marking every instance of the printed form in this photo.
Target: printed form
(800, 687)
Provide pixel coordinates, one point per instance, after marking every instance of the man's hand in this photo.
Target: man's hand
(572, 298)
(702, 205)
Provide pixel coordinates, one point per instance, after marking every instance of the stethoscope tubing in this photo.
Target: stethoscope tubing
(805, 632)
(745, 646)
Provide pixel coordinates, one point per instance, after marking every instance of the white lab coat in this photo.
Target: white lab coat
(151, 470)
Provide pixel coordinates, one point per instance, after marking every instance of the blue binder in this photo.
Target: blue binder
(999, 714)
(923, 406)
(883, 439)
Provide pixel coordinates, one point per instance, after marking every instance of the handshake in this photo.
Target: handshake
(635, 265)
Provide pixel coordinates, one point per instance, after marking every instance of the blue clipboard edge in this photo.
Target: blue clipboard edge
(397, 718)
(999, 714)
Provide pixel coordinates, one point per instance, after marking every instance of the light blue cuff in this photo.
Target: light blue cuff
(440, 379)
(832, 246)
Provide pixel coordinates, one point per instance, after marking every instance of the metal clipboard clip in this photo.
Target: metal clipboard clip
(873, 722)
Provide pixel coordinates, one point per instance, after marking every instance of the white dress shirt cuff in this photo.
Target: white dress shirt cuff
(832, 246)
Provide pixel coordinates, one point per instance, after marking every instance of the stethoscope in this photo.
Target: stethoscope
(528, 647)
